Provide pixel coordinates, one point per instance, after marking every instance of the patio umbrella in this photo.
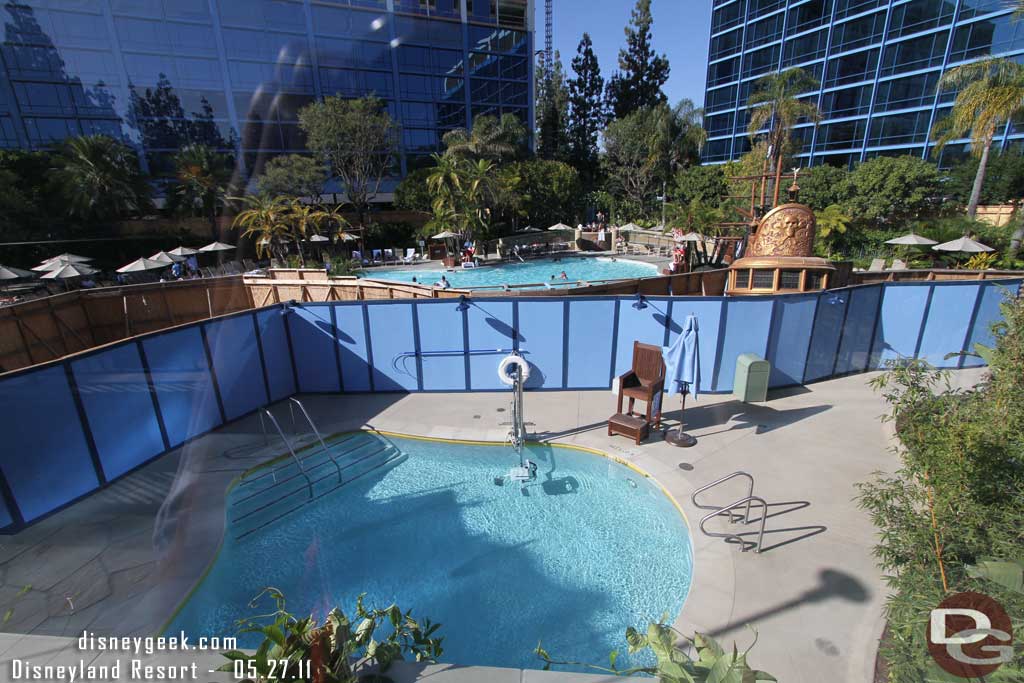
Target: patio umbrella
(560, 226)
(319, 238)
(8, 273)
(68, 271)
(529, 228)
(630, 226)
(183, 251)
(447, 234)
(216, 246)
(142, 264)
(73, 258)
(55, 264)
(164, 257)
(912, 240)
(690, 237)
(682, 375)
(963, 245)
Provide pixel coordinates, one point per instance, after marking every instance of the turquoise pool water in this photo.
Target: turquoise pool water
(590, 548)
(531, 272)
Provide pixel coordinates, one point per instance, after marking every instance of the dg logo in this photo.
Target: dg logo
(970, 635)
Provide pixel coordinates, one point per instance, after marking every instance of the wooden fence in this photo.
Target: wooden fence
(51, 327)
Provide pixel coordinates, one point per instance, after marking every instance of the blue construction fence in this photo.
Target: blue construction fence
(72, 426)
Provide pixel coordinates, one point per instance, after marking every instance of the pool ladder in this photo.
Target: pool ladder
(728, 511)
(257, 505)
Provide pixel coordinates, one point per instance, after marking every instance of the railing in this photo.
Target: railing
(326, 451)
(727, 510)
(295, 458)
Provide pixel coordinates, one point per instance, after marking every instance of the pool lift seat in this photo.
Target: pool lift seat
(526, 471)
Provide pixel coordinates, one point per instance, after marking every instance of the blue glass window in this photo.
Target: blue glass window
(976, 8)
(720, 98)
(806, 48)
(720, 73)
(903, 93)
(858, 32)
(759, 7)
(846, 102)
(727, 16)
(999, 34)
(900, 129)
(847, 8)
(197, 10)
(859, 66)
(725, 44)
(809, 15)
(765, 30)
(720, 124)
(842, 134)
(916, 53)
(45, 132)
(279, 15)
(920, 15)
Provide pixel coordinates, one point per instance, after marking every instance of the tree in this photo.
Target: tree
(991, 92)
(832, 222)
(264, 218)
(161, 119)
(356, 140)
(412, 194)
(551, 190)
(501, 139)
(201, 180)
(293, 175)
(706, 184)
(464, 190)
(305, 219)
(587, 112)
(637, 84)
(775, 108)
(892, 190)
(822, 186)
(681, 134)
(552, 111)
(1004, 179)
(98, 179)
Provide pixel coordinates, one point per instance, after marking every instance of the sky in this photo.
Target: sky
(681, 31)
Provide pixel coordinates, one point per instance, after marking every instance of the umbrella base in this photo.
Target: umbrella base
(677, 437)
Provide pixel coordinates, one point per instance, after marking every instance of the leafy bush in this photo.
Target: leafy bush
(340, 650)
(673, 664)
(958, 496)
(892, 190)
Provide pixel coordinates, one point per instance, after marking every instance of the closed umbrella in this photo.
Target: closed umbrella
(183, 251)
(912, 240)
(141, 265)
(682, 375)
(9, 273)
(963, 245)
(167, 258)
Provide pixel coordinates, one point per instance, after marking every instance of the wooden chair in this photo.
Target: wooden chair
(645, 381)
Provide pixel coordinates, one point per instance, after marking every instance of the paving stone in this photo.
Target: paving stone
(84, 588)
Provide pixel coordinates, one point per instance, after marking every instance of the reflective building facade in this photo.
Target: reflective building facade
(235, 73)
(878, 62)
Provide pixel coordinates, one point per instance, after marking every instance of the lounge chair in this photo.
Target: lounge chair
(389, 256)
(877, 265)
(376, 256)
(410, 255)
(898, 264)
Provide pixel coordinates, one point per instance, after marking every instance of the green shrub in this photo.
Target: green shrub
(958, 496)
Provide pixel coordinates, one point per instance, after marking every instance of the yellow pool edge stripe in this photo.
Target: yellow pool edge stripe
(412, 437)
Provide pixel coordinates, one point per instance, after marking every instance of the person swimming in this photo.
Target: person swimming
(563, 276)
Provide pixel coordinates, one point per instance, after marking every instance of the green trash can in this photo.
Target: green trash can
(751, 384)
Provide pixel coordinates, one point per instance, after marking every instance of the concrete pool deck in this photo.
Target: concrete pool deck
(814, 595)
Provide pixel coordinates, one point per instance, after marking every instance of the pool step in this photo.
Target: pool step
(267, 495)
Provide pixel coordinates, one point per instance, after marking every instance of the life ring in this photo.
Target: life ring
(506, 369)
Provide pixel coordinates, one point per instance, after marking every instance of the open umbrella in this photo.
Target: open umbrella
(9, 273)
(319, 238)
(690, 237)
(216, 246)
(164, 257)
(964, 245)
(447, 234)
(183, 251)
(68, 271)
(73, 258)
(55, 264)
(529, 228)
(912, 240)
(630, 226)
(560, 226)
(682, 375)
(142, 264)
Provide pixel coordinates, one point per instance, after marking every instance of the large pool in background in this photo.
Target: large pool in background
(589, 548)
(530, 272)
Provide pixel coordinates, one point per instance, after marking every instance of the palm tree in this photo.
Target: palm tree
(832, 221)
(99, 179)
(202, 176)
(305, 219)
(774, 105)
(464, 192)
(264, 218)
(991, 92)
(491, 138)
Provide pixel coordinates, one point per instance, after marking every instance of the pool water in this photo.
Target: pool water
(589, 548)
(531, 272)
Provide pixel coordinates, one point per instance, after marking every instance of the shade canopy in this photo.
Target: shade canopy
(911, 239)
(319, 238)
(55, 264)
(9, 273)
(183, 251)
(630, 226)
(346, 236)
(164, 257)
(142, 264)
(560, 226)
(68, 271)
(964, 245)
(73, 258)
(216, 246)
(447, 234)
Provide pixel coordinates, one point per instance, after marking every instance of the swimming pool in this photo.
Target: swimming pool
(531, 272)
(589, 548)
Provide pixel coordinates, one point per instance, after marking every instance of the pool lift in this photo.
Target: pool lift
(514, 371)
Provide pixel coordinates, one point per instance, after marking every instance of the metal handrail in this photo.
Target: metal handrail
(728, 509)
(298, 462)
(316, 431)
(740, 473)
